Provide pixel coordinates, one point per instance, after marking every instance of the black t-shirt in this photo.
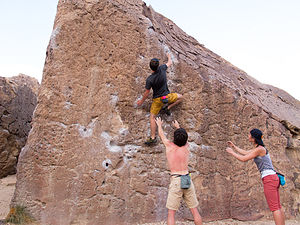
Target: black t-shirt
(158, 82)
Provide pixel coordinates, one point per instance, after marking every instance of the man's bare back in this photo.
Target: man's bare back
(178, 158)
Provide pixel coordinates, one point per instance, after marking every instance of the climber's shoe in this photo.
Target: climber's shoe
(166, 110)
(151, 141)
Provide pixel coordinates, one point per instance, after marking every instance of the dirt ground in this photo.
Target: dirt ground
(7, 187)
(231, 222)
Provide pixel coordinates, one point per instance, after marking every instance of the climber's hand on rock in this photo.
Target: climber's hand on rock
(139, 102)
(169, 63)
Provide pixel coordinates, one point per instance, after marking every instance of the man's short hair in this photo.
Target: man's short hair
(154, 64)
(180, 137)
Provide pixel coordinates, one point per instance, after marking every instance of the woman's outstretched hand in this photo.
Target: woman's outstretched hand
(230, 144)
(229, 150)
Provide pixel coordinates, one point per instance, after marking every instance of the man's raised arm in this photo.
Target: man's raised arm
(161, 132)
(169, 63)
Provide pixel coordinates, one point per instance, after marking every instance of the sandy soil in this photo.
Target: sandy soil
(7, 187)
(231, 222)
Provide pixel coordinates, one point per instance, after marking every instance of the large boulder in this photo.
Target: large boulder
(18, 99)
(88, 163)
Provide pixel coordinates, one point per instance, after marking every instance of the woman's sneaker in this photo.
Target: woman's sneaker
(151, 141)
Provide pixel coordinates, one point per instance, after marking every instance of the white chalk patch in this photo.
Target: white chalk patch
(123, 131)
(171, 83)
(151, 31)
(191, 122)
(68, 105)
(86, 131)
(150, 24)
(211, 78)
(108, 85)
(62, 125)
(138, 80)
(125, 160)
(105, 135)
(114, 99)
(131, 150)
(114, 148)
(108, 144)
(106, 163)
(167, 49)
(205, 147)
(92, 1)
(171, 75)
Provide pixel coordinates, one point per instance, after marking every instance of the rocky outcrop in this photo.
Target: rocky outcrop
(18, 98)
(88, 164)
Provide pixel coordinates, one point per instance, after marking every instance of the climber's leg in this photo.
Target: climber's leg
(174, 99)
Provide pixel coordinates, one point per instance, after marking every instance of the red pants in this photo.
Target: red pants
(271, 190)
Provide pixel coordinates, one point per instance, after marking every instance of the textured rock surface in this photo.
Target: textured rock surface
(88, 164)
(18, 98)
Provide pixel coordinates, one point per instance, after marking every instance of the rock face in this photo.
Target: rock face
(18, 99)
(88, 164)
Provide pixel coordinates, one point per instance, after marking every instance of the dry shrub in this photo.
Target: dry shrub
(19, 215)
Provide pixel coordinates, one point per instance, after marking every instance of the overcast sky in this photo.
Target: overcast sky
(261, 37)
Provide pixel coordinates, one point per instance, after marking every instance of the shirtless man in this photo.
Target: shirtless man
(178, 157)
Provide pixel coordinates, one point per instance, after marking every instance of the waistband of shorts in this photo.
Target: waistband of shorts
(265, 173)
(179, 175)
(162, 97)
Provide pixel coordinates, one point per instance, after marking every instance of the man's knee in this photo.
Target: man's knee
(179, 97)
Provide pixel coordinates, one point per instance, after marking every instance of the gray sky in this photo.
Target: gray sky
(25, 26)
(261, 37)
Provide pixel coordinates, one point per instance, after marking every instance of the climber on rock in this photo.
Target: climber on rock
(162, 98)
(181, 184)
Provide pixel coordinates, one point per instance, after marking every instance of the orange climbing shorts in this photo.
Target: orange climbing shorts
(176, 194)
(271, 190)
(157, 103)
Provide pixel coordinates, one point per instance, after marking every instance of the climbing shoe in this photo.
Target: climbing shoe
(166, 110)
(151, 141)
